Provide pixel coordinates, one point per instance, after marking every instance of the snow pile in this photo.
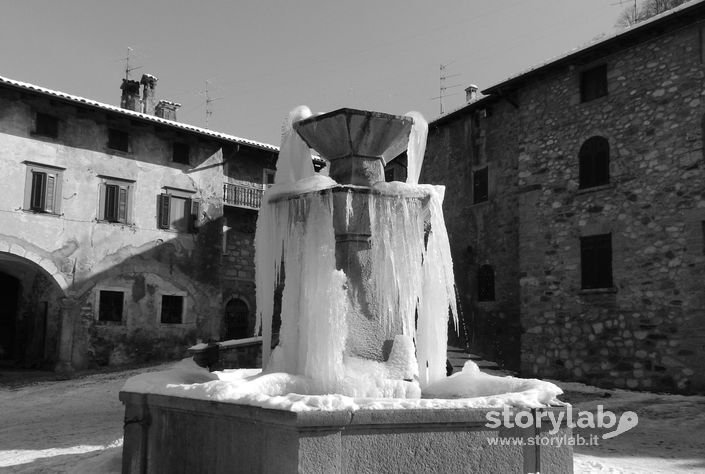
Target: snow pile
(467, 389)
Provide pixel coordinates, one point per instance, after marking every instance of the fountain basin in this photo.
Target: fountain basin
(173, 434)
(358, 143)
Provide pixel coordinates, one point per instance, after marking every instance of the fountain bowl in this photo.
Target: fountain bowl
(358, 143)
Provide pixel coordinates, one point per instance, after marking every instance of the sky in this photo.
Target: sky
(258, 59)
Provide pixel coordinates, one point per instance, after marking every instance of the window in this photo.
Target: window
(593, 83)
(485, 283)
(237, 320)
(480, 186)
(596, 261)
(46, 125)
(110, 305)
(181, 153)
(118, 140)
(177, 210)
(115, 197)
(43, 188)
(268, 178)
(172, 311)
(594, 157)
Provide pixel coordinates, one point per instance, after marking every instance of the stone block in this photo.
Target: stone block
(172, 434)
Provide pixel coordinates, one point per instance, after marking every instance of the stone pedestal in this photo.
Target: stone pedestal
(165, 434)
(358, 144)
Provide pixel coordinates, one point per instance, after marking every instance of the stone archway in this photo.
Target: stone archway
(236, 321)
(30, 310)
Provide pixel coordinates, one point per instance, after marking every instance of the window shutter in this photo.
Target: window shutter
(111, 202)
(50, 192)
(163, 202)
(195, 211)
(122, 205)
(38, 191)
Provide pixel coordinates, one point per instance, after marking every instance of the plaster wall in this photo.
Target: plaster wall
(83, 255)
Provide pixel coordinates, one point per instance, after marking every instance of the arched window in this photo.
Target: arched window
(594, 159)
(237, 320)
(485, 283)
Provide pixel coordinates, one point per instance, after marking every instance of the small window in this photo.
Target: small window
(593, 83)
(480, 186)
(237, 320)
(177, 211)
(118, 140)
(485, 283)
(594, 158)
(596, 261)
(181, 153)
(46, 125)
(115, 197)
(268, 178)
(43, 189)
(110, 305)
(172, 311)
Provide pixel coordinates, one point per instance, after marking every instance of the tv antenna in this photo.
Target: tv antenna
(209, 101)
(443, 86)
(622, 2)
(129, 69)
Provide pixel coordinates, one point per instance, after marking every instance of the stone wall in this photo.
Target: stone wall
(239, 261)
(648, 331)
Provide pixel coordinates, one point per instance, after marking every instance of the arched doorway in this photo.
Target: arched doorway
(236, 322)
(9, 300)
(30, 312)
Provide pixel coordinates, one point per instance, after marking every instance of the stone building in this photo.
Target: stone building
(112, 241)
(576, 208)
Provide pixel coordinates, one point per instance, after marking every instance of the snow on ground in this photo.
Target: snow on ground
(72, 426)
(75, 426)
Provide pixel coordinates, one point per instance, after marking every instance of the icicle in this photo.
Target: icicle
(438, 296)
(416, 148)
(294, 161)
(349, 211)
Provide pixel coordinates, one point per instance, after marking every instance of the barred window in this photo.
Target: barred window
(593, 83)
(172, 311)
(485, 283)
(480, 185)
(594, 159)
(596, 261)
(110, 305)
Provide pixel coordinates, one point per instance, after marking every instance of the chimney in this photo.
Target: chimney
(130, 99)
(166, 109)
(471, 93)
(148, 100)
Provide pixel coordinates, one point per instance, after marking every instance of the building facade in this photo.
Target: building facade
(112, 240)
(581, 187)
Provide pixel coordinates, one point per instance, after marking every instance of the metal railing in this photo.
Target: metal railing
(242, 196)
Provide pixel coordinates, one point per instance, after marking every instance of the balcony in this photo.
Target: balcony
(239, 195)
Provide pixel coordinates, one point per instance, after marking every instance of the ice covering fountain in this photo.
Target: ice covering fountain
(357, 380)
(368, 280)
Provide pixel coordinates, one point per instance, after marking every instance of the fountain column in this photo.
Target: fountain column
(358, 144)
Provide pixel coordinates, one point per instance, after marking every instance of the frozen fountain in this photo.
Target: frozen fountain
(357, 380)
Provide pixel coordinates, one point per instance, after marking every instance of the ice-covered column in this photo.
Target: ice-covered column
(358, 144)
